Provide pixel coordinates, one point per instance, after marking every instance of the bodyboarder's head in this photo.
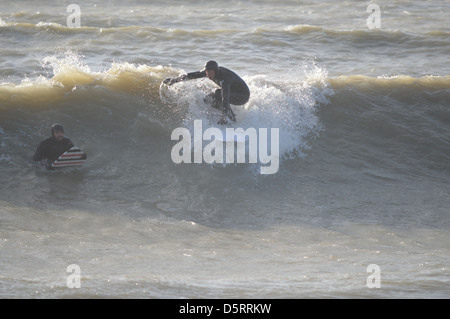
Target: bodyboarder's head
(57, 132)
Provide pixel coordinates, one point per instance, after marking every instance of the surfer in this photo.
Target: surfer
(51, 148)
(233, 89)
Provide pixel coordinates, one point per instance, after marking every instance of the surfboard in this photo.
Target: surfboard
(73, 157)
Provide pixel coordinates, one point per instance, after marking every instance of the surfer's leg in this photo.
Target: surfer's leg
(231, 114)
(238, 99)
(214, 99)
(209, 99)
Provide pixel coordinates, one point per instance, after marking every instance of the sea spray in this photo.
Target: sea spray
(289, 104)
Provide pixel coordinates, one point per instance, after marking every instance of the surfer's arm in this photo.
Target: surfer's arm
(39, 154)
(69, 144)
(194, 75)
(184, 77)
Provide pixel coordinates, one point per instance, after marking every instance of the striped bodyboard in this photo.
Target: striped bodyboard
(72, 157)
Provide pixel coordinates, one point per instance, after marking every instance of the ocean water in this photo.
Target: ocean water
(363, 115)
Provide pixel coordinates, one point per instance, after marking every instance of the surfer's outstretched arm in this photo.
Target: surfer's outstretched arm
(184, 77)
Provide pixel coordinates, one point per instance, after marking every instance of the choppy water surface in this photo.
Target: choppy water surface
(364, 145)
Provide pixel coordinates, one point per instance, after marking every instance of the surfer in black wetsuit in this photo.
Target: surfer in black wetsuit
(233, 89)
(50, 149)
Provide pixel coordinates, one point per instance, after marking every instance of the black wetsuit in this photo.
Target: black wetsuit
(233, 90)
(50, 149)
